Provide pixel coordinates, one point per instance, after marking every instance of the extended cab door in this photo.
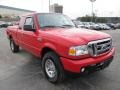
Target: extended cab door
(20, 32)
(30, 38)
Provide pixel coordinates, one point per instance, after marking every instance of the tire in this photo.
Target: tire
(13, 46)
(54, 62)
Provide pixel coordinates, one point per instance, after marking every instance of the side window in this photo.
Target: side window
(29, 21)
(21, 22)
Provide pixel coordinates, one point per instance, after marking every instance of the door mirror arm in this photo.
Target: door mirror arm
(29, 28)
(19, 27)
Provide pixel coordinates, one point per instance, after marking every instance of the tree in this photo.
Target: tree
(93, 18)
(101, 20)
(87, 18)
(0, 16)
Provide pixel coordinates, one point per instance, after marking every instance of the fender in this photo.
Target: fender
(49, 45)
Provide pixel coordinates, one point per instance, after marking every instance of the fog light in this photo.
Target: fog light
(83, 69)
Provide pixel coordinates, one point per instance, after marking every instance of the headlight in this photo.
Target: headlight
(78, 50)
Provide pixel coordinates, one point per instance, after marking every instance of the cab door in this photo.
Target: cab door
(30, 37)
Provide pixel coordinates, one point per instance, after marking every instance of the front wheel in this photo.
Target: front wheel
(52, 67)
(13, 46)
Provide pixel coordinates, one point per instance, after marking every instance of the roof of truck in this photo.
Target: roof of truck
(34, 13)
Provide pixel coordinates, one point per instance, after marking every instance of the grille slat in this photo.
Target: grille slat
(100, 46)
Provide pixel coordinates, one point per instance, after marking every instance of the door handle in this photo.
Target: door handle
(39, 39)
(24, 34)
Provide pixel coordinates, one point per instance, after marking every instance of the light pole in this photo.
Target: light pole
(92, 1)
(49, 5)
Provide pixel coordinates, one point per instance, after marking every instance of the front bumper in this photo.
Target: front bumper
(76, 65)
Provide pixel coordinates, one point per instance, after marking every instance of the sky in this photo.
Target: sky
(72, 8)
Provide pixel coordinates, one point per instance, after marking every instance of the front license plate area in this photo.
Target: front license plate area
(99, 66)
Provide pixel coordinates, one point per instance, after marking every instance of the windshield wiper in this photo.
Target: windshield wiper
(67, 25)
(49, 26)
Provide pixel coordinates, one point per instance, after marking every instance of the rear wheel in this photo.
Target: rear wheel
(52, 67)
(13, 46)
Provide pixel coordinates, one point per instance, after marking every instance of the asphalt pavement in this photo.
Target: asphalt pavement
(22, 71)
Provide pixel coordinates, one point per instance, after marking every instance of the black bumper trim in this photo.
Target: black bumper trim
(98, 66)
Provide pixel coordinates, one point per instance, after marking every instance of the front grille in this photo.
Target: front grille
(99, 47)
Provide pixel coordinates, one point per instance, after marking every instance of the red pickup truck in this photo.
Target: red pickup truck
(61, 47)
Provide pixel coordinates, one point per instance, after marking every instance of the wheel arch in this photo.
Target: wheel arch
(47, 49)
(10, 37)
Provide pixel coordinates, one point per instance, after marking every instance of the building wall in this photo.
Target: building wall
(55, 8)
(4, 11)
(12, 12)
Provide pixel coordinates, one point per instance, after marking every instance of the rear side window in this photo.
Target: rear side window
(21, 22)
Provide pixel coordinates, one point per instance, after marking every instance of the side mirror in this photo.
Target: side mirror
(29, 28)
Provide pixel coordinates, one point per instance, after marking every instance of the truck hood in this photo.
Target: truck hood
(77, 35)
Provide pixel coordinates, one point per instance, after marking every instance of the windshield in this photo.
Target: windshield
(54, 20)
